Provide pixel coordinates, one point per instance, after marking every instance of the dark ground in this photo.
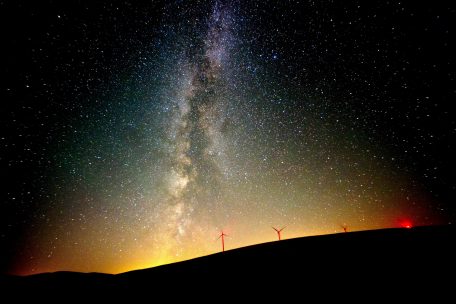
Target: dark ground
(406, 263)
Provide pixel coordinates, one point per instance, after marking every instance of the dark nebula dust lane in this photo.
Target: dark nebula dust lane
(133, 134)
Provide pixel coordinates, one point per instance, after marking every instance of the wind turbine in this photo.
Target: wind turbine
(345, 227)
(222, 235)
(278, 231)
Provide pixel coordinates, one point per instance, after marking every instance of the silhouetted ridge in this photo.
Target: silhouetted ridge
(420, 255)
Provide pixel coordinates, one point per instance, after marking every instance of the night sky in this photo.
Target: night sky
(132, 134)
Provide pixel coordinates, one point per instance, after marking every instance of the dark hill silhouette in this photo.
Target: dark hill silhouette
(387, 259)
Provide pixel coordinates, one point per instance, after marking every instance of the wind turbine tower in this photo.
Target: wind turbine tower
(222, 235)
(278, 231)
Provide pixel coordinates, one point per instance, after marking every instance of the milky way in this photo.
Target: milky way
(196, 140)
(136, 134)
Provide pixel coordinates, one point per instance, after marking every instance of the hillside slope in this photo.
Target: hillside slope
(390, 258)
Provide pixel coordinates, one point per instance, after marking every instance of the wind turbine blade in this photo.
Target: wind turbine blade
(283, 228)
(219, 237)
(275, 229)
